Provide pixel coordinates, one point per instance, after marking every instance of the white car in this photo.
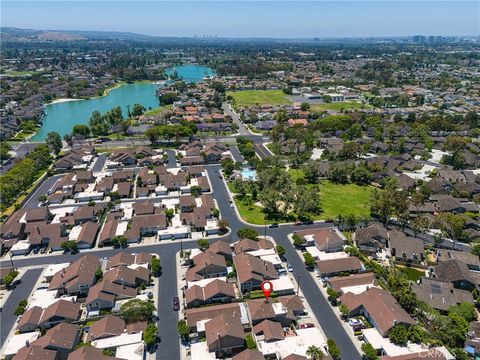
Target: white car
(289, 268)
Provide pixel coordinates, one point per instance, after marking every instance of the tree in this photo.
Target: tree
(203, 244)
(452, 225)
(21, 307)
(332, 295)
(343, 310)
(150, 335)
(305, 106)
(222, 226)
(333, 349)
(306, 201)
(4, 151)
(8, 279)
(247, 233)
(476, 249)
(81, 130)
(138, 109)
(280, 250)
(183, 329)
(195, 190)
(168, 98)
(309, 260)
(464, 310)
(54, 142)
(136, 310)
(249, 342)
(98, 274)
(369, 352)
(70, 246)
(155, 265)
(314, 353)
(68, 139)
(297, 240)
(152, 134)
(399, 335)
(311, 171)
(119, 241)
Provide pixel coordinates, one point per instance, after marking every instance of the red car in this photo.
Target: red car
(306, 326)
(298, 223)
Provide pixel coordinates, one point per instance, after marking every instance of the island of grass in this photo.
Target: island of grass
(258, 97)
(339, 106)
(335, 199)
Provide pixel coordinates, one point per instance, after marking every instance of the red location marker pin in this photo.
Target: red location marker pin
(267, 288)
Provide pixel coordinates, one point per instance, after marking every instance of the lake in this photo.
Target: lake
(61, 117)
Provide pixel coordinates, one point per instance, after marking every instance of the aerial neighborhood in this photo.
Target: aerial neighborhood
(239, 200)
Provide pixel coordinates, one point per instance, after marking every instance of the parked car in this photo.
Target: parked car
(296, 223)
(356, 324)
(289, 268)
(308, 222)
(274, 225)
(306, 326)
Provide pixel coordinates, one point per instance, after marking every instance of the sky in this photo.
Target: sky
(280, 19)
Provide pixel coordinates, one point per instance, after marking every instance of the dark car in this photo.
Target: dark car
(308, 222)
(274, 225)
(176, 304)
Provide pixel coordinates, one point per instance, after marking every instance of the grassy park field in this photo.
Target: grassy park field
(258, 97)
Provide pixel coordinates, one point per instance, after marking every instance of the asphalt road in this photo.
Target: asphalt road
(172, 161)
(21, 292)
(236, 154)
(32, 201)
(167, 282)
(100, 163)
(242, 128)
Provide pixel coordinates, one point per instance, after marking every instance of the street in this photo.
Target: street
(21, 292)
(167, 281)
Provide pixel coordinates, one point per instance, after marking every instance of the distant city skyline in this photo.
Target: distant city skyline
(284, 19)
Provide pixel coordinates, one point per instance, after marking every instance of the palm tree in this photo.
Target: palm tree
(315, 353)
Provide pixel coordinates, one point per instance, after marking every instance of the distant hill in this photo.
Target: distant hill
(9, 34)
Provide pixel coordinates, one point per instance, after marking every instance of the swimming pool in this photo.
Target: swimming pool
(248, 174)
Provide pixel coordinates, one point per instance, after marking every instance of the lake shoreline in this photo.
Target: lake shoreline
(69, 111)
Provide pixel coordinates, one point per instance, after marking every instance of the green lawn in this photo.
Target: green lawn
(157, 111)
(412, 273)
(18, 73)
(344, 199)
(252, 214)
(258, 97)
(346, 105)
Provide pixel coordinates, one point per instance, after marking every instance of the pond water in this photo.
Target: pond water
(61, 117)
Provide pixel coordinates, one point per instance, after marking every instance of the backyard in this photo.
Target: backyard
(258, 97)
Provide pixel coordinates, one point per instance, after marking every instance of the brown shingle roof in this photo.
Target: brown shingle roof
(35, 353)
(62, 336)
(107, 326)
(224, 328)
(81, 270)
(250, 267)
(382, 307)
(61, 309)
(271, 330)
(351, 263)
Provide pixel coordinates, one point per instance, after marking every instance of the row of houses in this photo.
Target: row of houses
(225, 277)
(54, 322)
